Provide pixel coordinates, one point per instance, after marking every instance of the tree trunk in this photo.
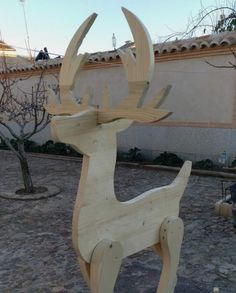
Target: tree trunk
(28, 184)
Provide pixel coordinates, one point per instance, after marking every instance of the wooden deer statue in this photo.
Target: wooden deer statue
(105, 230)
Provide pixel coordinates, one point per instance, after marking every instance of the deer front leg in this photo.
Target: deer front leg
(105, 265)
(171, 237)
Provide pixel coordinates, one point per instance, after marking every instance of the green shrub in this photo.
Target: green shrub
(13, 143)
(31, 146)
(49, 147)
(58, 148)
(72, 152)
(133, 155)
(233, 163)
(3, 145)
(168, 159)
(204, 164)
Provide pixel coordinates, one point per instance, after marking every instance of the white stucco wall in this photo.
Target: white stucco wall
(189, 143)
(200, 93)
(201, 96)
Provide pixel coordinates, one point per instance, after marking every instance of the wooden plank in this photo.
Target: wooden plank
(85, 270)
(171, 237)
(134, 223)
(139, 70)
(144, 115)
(105, 230)
(105, 265)
(71, 66)
(159, 99)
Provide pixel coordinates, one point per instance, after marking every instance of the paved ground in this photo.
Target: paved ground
(36, 254)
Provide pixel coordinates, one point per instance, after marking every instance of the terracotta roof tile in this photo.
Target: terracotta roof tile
(178, 46)
(51, 63)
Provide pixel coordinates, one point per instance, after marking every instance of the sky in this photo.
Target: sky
(52, 23)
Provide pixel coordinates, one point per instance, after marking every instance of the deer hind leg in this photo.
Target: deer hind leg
(85, 270)
(171, 237)
(104, 266)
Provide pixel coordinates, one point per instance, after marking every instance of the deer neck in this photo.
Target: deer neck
(97, 176)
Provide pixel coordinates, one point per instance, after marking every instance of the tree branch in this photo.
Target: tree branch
(221, 66)
(8, 143)
(9, 129)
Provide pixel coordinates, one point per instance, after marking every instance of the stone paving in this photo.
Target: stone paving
(36, 253)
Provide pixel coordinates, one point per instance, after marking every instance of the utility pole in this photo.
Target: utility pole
(26, 29)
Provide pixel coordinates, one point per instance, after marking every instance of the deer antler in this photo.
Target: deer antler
(139, 72)
(71, 65)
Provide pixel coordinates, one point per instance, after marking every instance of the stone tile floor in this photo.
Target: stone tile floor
(36, 254)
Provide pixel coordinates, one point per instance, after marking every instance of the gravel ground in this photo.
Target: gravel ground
(36, 253)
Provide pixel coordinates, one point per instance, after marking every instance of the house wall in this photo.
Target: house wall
(202, 100)
(200, 94)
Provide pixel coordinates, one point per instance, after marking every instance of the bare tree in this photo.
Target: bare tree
(230, 65)
(209, 20)
(21, 115)
(215, 19)
(212, 20)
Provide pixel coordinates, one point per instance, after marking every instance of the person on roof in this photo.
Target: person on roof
(42, 55)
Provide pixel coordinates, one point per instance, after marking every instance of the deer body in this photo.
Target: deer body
(105, 230)
(135, 223)
(98, 214)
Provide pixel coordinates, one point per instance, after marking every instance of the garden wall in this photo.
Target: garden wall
(202, 99)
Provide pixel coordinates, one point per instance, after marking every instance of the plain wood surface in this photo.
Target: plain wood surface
(135, 224)
(105, 265)
(171, 237)
(105, 230)
(71, 66)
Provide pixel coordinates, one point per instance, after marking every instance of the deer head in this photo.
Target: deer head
(73, 119)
